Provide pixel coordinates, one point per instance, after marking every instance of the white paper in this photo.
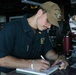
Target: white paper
(44, 72)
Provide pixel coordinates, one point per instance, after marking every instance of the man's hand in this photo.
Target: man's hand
(63, 64)
(51, 55)
(41, 64)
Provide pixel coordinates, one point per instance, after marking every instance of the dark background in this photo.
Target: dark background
(16, 6)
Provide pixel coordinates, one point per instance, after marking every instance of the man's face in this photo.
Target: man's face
(42, 22)
(72, 24)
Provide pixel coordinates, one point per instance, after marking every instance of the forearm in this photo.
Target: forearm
(51, 55)
(13, 62)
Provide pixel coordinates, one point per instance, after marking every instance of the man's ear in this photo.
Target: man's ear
(40, 12)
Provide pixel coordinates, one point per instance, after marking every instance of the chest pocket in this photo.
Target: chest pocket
(38, 47)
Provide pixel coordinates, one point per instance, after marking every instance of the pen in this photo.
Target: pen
(42, 57)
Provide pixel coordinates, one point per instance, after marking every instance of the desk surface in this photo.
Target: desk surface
(68, 71)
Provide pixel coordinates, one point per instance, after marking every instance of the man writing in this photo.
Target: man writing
(23, 41)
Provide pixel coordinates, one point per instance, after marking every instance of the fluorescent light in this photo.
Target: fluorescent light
(30, 2)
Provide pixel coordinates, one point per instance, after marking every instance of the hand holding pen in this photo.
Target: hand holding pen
(46, 63)
(41, 64)
(60, 63)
